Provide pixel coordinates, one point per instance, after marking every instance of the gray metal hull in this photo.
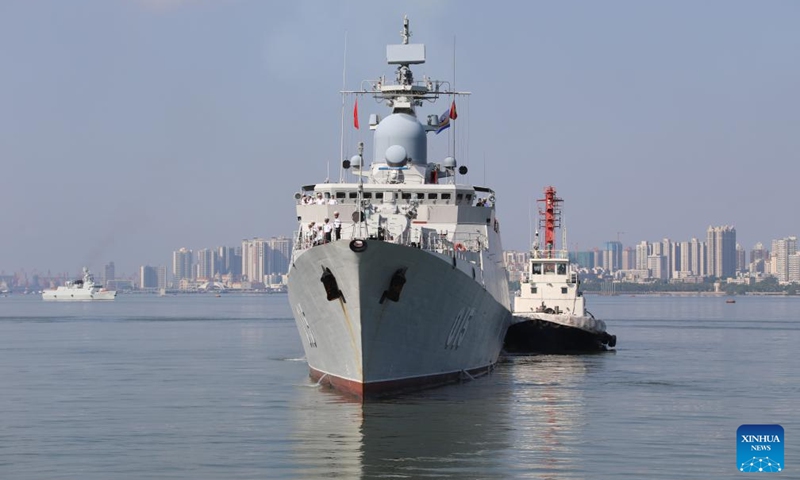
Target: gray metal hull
(444, 323)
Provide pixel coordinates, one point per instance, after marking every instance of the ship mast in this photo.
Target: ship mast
(550, 219)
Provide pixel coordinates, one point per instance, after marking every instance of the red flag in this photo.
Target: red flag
(355, 115)
(453, 114)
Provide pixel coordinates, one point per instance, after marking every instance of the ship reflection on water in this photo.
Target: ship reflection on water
(523, 421)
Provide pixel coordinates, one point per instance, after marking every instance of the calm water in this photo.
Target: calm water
(202, 387)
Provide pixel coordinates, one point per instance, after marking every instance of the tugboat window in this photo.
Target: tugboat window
(562, 269)
(537, 269)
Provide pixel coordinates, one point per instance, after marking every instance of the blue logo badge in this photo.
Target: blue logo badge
(759, 448)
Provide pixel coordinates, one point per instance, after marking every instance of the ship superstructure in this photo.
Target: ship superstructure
(396, 279)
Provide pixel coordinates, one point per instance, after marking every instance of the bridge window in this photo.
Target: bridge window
(562, 269)
(367, 194)
(340, 195)
(420, 196)
(432, 196)
(378, 194)
(445, 196)
(353, 194)
(537, 268)
(406, 196)
(459, 197)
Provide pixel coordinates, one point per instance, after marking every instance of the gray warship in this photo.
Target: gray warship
(397, 280)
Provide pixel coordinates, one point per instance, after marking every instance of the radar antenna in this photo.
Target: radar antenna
(406, 33)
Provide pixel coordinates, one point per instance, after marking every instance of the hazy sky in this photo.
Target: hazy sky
(131, 128)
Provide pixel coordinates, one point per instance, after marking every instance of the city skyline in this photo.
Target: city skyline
(619, 249)
(649, 119)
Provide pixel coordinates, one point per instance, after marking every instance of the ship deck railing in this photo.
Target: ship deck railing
(463, 245)
(551, 255)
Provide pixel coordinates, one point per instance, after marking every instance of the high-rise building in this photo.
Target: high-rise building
(108, 274)
(254, 259)
(207, 264)
(643, 251)
(782, 249)
(794, 268)
(685, 260)
(759, 252)
(721, 245)
(657, 264)
(673, 250)
(278, 259)
(628, 258)
(741, 259)
(230, 263)
(148, 277)
(759, 257)
(598, 258)
(698, 256)
(582, 259)
(182, 265)
(612, 256)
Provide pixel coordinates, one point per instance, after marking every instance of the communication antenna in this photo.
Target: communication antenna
(344, 96)
(453, 97)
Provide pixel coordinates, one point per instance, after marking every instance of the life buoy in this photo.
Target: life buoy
(460, 247)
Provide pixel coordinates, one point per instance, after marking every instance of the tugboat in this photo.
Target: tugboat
(396, 279)
(550, 313)
(82, 289)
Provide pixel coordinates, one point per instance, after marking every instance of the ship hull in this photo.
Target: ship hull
(533, 333)
(444, 325)
(68, 294)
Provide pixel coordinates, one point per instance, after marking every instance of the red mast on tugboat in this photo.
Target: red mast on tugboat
(550, 219)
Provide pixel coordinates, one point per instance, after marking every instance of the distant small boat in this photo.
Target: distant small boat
(84, 289)
(730, 300)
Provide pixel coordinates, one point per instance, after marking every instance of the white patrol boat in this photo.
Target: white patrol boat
(397, 279)
(550, 313)
(83, 289)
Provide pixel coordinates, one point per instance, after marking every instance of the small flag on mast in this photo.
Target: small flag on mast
(444, 118)
(355, 115)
